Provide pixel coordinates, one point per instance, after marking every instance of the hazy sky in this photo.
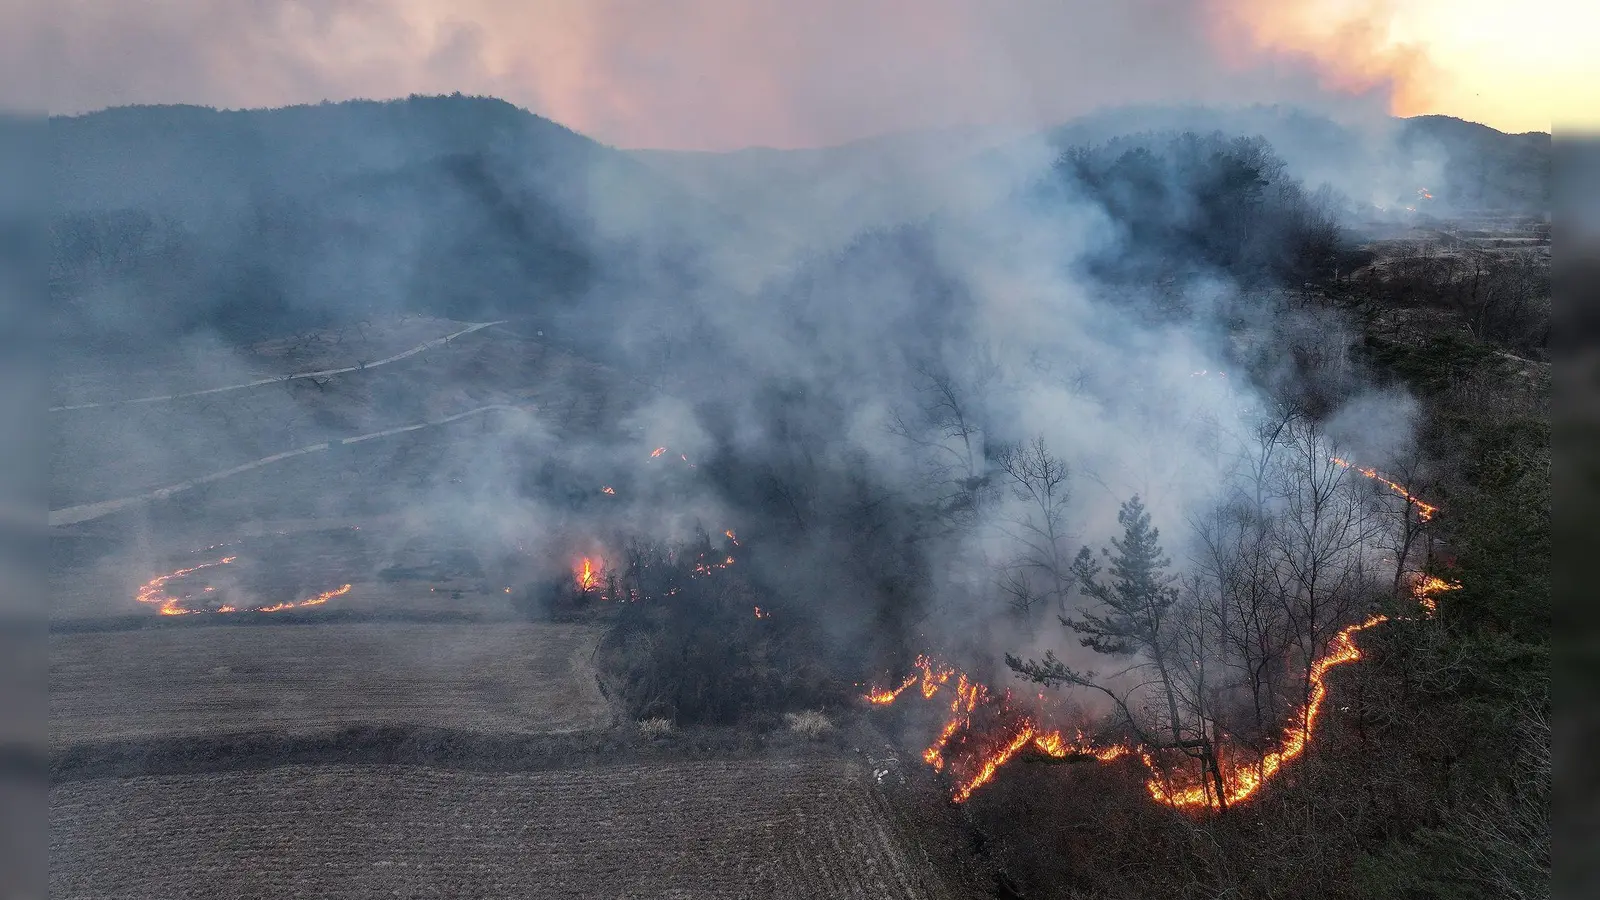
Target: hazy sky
(718, 74)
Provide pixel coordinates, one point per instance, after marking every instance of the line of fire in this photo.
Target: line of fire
(984, 729)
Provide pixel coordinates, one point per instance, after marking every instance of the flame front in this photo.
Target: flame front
(974, 757)
(885, 696)
(1241, 782)
(318, 600)
(153, 592)
(1425, 511)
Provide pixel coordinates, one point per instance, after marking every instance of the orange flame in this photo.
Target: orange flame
(166, 604)
(587, 574)
(729, 533)
(1241, 781)
(657, 452)
(318, 600)
(885, 696)
(1425, 511)
(608, 489)
(992, 764)
(1426, 589)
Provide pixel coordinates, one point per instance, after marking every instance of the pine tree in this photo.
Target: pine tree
(1132, 616)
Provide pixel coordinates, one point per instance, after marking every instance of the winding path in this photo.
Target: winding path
(277, 379)
(85, 512)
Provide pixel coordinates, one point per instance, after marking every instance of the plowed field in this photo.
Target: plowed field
(518, 678)
(811, 827)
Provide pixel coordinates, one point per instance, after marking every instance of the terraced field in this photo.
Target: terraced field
(517, 678)
(811, 827)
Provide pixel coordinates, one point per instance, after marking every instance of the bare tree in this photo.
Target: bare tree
(1321, 543)
(1039, 572)
(946, 429)
(1235, 556)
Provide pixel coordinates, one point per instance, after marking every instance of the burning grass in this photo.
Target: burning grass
(155, 593)
(982, 731)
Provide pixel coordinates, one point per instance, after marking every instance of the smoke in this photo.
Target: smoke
(718, 74)
(844, 364)
(796, 379)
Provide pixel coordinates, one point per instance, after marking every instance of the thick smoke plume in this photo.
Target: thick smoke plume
(870, 407)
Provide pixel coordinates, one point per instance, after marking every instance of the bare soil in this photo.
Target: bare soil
(798, 827)
(517, 678)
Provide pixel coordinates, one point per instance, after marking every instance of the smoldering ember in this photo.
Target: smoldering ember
(445, 503)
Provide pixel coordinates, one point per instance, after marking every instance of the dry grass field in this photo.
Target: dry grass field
(517, 678)
(809, 827)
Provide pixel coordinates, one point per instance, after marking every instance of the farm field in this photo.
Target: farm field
(517, 678)
(811, 827)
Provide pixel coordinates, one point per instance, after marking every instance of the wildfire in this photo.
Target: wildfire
(1425, 511)
(608, 489)
(587, 574)
(166, 604)
(318, 600)
(153, 592)
(762, 613)
(729, 533)
(1241, 782)
(1426, 589)
(657, 452)
(885, 696)
(974, 756)
(701, 567)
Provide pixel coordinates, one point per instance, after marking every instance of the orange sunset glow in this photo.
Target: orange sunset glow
(723, 74)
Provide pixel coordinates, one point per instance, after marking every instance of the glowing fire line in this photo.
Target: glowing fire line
(1425, 511)
(1240, 780)
(154, 592)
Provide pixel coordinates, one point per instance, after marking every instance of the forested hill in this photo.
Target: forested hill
(179, 217)
(1464, 165)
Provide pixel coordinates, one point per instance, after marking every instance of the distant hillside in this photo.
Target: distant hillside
(182, 217)
(1484, 168)
(1465, 166)
(829, 193)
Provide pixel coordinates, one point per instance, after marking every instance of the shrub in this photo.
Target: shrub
(811, 724)
(653, 728)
